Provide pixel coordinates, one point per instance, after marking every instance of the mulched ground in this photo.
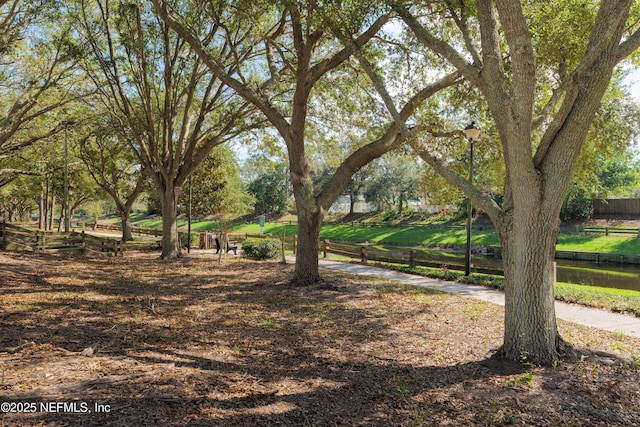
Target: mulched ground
(143, 342)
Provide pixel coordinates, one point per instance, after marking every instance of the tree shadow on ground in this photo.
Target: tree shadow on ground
(248, 349)
(251, 393)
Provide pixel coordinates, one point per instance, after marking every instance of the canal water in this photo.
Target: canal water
(618, 276)
(608, 275)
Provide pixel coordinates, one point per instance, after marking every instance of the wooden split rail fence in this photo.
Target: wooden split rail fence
(134, 230)
(609, 230)
(365, 254)
(18, 238)
(411, 258)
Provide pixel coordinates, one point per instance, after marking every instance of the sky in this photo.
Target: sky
(633, 80)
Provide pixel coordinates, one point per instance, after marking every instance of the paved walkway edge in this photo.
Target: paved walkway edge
(601, 319)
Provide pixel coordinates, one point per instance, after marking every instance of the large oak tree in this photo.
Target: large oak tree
(513, 53)
(286, 51)
(161, 93)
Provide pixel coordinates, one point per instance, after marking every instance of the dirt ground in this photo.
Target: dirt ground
(142, 342)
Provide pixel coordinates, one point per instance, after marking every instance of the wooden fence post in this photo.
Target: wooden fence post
(363, 254)
(326, 246)
(283, 238)
(294, 244)
(412, 258)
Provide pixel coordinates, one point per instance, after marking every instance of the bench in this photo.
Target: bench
(231, 246)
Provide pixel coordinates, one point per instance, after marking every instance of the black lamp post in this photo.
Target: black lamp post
(67, 211)
(472, 133)
(189, 215)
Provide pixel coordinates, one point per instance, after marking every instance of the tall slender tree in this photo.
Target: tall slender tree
(217, 187)
(114, 167)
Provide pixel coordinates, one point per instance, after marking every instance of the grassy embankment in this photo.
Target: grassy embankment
(614, 299)
(413, 235)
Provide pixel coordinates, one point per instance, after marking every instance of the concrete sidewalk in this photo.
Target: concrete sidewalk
(627, 325)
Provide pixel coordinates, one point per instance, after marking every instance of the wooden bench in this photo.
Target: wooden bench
(231, 246)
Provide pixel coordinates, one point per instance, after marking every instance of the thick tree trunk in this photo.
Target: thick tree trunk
(352, 203)
(125, 217)
(528, 247)
(309, 223)
(170, 239)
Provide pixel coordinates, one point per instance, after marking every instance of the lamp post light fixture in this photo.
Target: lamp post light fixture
(472, 133)
(67, 211)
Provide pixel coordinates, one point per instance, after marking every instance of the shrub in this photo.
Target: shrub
(184, 238)
(261, 248)
(577, 206)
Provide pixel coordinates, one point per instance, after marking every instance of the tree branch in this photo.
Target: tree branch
(217, 68)
(628, 46)
(392, 138)
(469, 71)
(608, 21)
(323, 67)
(478, 197)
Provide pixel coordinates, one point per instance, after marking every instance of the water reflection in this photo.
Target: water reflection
(618, 276)
(606, 275)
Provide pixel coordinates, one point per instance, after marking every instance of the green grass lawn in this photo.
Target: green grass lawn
(411, 235)
(598, 243)
(144, 221)
(416, 236)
